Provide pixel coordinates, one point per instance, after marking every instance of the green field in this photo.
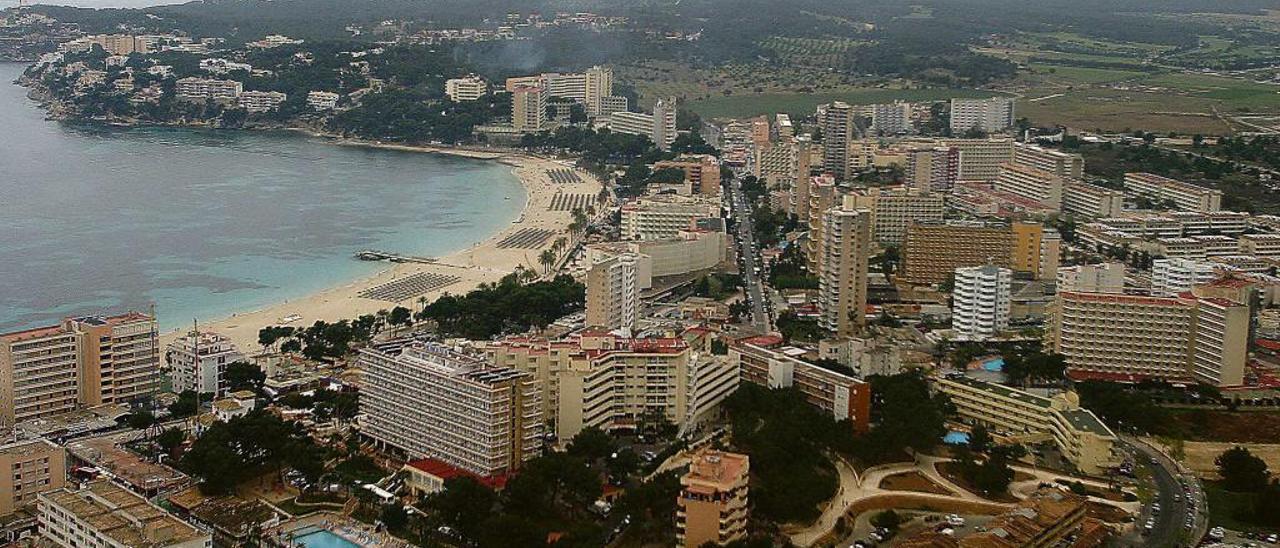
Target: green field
(803, 104)
(1225, 505)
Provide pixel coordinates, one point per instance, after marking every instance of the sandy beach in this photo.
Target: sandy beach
(485, 262)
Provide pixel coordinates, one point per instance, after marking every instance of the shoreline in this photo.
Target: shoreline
(479, 263)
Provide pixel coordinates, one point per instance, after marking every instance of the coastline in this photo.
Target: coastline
(480, 263)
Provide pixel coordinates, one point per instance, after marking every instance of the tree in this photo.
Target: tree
(1241, 471)
(241, 375)
(980, 439)
(400, 316)
(1266, 506)
(185, 406)
(394, 516)
(141, 419)
(887, 519)
(463, 505)
(170, 439)
(548, 259)
(592, 444)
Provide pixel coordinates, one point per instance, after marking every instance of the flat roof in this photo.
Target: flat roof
(1003, 390)
(1085, 420)
(123, 516)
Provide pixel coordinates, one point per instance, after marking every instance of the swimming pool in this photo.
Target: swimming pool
(994, 365)
(322, 538)
(956, 437)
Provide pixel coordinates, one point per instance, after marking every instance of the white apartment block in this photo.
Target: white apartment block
(261, 101)
(1185, 195)
(659, 127)
(612, 104)
(893, 211)
(429, 401)
(1216, 245)
(1180, 247)
(222, 67)
(1171, 277)
(1031, 183)
(1062, 164)
(981, 300)
(988, 115)
(322, 100)
(1093, 201)
(199, 362)
(1260, 245)
(664, 216)
(1093, 278)
(613, 292)
(891, 118)
(467, 88)
(842, 277)
(980, 159)
(193, 88)
(104, 515)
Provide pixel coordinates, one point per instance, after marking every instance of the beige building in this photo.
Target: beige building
(1130, 337)
(1260, 245)
(842, 397)
(980, 159)
(200, 89)
(528, 109)
(933, 251)
(701, 171)
(596, 379)
(467, 88)
(659, 127)
(892, 211)
(1084, 440)
(842, 276)
(712, 506)
(823, 195)
(1093, 278)
(430, 401)
(664, 216)
(82, 362)
(613, 292)
(104, 515)
(990, 115)
(837, 131)
(28, 468)
(1091, 201)
(1031, 183)
(1185, 195)
(1035, 250)
(932, 169)
(1061, 164)
(690, 251)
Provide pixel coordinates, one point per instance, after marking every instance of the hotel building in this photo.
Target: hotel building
(1061, 164)
(701, 171)
(980, 159)
(932, 251)
(104, 515)
(980, 307)
(1091, 201)
(601, 380)
(261, 101)
(892, 211)
(1130, 337)
(841, 396)
(1031, 183)
(659, 127)
(932, 169)
(1260, 245)
(528, 108)
(1093, 278)
(428, 401)
(842, 276)
(664, 216)
(467, 88)
(613, 292)
(891, 118)
(1172, 277)
(81, 362)
(987, 115)
(28, 468)
(198, 362)
(712, 506)
(192, 88)
(1185, 195)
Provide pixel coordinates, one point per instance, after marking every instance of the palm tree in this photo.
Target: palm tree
(547, 258)
(560, 244)
(526, 275)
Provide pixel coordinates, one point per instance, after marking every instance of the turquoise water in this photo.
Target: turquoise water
(956, 437)
(324, 538)
(994, 365)
(206, 223)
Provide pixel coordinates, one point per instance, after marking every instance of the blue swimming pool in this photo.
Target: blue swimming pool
(323, 538)
(956, 437)
(995, 365)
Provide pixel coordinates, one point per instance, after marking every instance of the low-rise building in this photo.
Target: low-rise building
(28, 468)
(1184, 195)
(199, 362)
(713, 506)
(199, 89)
(103, 515)
(322, 100)
(842, 396)
(467, 88)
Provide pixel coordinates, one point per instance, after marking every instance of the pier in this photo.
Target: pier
(376, 255)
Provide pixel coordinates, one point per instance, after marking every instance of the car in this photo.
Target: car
(1273, 538)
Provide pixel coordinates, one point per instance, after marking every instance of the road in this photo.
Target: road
(749, 258)
(1183, 517)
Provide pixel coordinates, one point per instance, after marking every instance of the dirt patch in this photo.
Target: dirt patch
(1106, 512)
(906, 501)
(950, 471)
(912, 481)
(1199, 455)
(1227, 426)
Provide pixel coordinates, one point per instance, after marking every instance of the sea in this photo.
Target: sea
(201, 224)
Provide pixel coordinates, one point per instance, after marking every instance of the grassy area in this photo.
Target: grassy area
(738, 106)
(1226, 507)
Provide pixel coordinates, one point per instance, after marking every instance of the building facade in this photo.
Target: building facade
(613, 292)
(712, 507)
(199, 361)
(467, 88)
(28, 468)
(991, 115)
(843, 397)
(842, 276)
(981, 300)
(1184, 195)
(104, 515)
(933, 251)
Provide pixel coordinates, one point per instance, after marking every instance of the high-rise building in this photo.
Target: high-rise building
(1184, 195)
(933, 169)
(81, 362)
(1173, 276)
(104, 515)
(987, 115)
(429, 401)
(1033, 247)
(613, 292)
(712, 506)
(528, 108)
(892, 211)
(199, 361)
(466, 88)
(28, 468)
(891, 118)
(1031, 183)
(932, 251)
(837, 129)
(980, 302)
(842, 278)
(1131, 337)
(1093, 201)
(1061, 164)
(1093, 278)
(659, 127)
(980, 159)
(823, 195)
(599, 87)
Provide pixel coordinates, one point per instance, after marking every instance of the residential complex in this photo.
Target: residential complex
(467, 88)
(199, 361)
(1031, 183)
(257, 102)
(932, 251)
(842, 396)
(28, 468)
(430, 401)
(1122, 337)
(712, 507)
(1092, 201)
(659, 127)
(1183, 195)
(842, 277)
(986, 115)
(104, 515)
(980, 159)
(83, 361)
(613, 292)
(1029, 419)
(322, 100)
(981, 299)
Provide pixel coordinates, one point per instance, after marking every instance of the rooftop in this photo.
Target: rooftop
(122, 516)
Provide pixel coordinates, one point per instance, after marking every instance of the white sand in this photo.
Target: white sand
(480, 263)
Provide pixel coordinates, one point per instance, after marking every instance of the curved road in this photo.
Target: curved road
(1179, 494)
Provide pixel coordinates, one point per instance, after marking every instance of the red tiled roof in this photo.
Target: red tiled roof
(445, 471)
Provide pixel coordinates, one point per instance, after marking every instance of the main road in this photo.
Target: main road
(1183, 517)
(749, 257)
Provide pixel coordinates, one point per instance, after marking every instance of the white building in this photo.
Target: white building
(261, 101)
(322, 100)
(659, 127)
(988, 115)
(613, 292)
(664, 216)
(1092, 278)
(842, 275)
(199, 362)
(105, 515)
(981, 298)
(222, 67)
(1184, 195)
(467, 88)
(205, 88)
(1169, 277)
(891, 118)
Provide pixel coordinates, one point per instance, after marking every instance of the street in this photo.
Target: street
(749, 258)
(1182, 518)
